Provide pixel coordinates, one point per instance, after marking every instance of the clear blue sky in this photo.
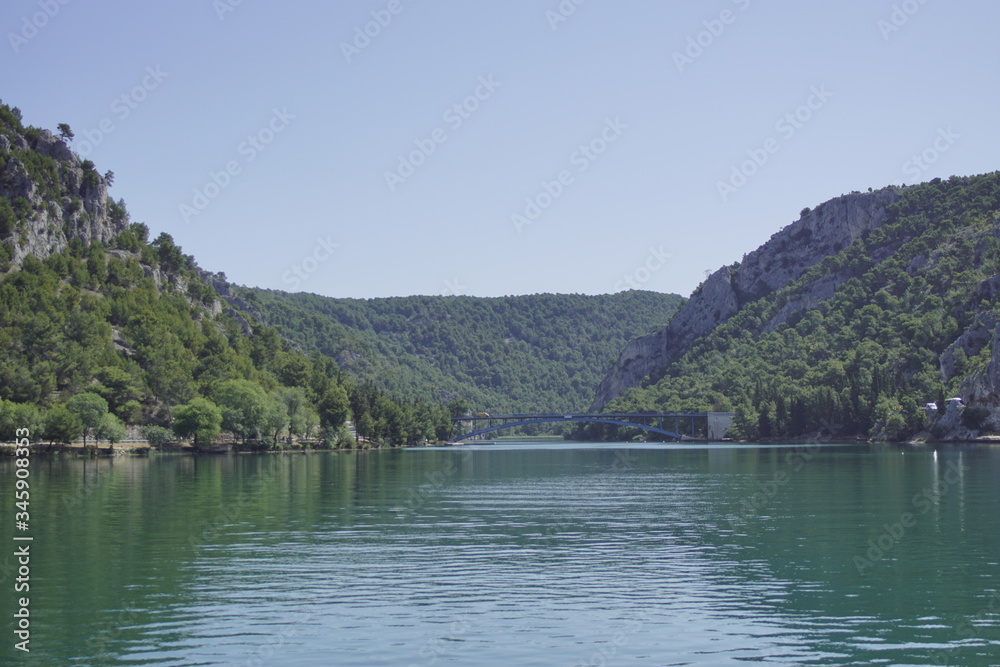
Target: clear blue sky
(885, 84)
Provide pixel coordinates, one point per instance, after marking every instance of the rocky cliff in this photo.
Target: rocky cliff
(818, 233)
(52, 196)
(981, 392)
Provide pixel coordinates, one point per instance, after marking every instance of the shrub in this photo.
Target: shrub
(157, 436)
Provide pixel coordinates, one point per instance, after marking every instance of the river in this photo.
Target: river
(513, 554)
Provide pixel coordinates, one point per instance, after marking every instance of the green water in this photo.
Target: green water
(534, 554)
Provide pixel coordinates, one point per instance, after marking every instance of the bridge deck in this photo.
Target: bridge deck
(587, 415)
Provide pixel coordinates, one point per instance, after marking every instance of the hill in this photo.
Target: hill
(104, 329)
(544, 352)
(849, 320)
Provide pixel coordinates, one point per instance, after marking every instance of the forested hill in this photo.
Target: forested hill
(850, 321)
(544, 352)
(103, 328)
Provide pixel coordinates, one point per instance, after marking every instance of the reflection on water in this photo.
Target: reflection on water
(526, 555)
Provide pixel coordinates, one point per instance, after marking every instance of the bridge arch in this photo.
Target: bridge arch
(559, 420)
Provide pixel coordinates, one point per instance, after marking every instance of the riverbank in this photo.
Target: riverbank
(106, 450)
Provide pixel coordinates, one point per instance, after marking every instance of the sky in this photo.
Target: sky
(374, 148)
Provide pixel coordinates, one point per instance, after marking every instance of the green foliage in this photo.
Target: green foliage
(8, 218)
(90, 409)
(15, 416)
(201, 420)
(531, 353)
(62, 425)
(110, 428)
(157, 436)
(338, 437)
(244, 406)
(275, 419)
(301, 415)
(117, 211)
(334, 408)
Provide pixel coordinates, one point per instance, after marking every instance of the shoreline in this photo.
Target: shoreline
(103, 450)
(141, 450)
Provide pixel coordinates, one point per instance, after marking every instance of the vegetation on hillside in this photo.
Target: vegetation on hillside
(89, 333)
(865, 361)
(540, 353)
(102, 336)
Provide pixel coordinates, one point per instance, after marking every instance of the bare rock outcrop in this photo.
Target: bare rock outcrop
(55, 196)
(981, 391)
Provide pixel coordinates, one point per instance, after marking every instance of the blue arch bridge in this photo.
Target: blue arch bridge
(708, 426)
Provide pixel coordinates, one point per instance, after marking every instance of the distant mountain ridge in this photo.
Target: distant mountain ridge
(542, 352)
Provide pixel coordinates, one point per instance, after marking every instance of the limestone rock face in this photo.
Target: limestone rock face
(66, 198)
(971, 342)
(982, 390)
(237, 308)
(824, 231)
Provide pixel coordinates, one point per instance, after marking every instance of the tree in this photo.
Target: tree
(62, 425)
(14, 416)
(89, 408)
(157, 436)
(109, 176)
(200, 419)
(300, 413)
(118, 387)
(459, 407)
(65, 132)
(111, 429)
(334, 407)
(243, 405)
(275, 416)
